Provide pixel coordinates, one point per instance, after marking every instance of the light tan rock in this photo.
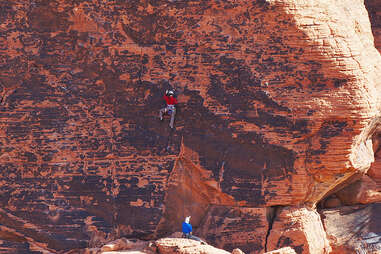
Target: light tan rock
(124, 244)
(185, 246)
(299, 228)
(285, 250)
(118, 244)
(237, 251)
(92, 251)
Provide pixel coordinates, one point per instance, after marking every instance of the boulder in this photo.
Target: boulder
(285, 250)
(185, 246)
(299, 228)
(354, 229)
(237, 251)
(363, 191)
(123, 244)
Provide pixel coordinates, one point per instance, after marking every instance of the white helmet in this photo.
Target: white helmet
(170, 92)
(187, 219)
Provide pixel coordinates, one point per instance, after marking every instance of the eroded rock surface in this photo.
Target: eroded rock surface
(285, 250)
(169, 245)
(185, 246)
(278, 104)
(363, 191)
(374, 10)
(300, 228)
(354, 229)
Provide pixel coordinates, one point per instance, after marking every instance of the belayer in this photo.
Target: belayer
(170, 109)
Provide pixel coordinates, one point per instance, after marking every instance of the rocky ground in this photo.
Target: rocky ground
(171, 245)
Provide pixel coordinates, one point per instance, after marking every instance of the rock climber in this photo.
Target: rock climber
(187, 230)
(170, 109)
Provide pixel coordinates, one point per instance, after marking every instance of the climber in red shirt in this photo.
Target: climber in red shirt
(170, 108)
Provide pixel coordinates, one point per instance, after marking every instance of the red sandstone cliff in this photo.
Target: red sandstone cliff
(279, 113)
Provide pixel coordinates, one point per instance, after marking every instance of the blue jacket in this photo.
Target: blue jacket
(187, 228)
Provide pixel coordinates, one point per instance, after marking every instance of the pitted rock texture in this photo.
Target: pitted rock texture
(278, 104)
(235, 227)
(185, 246)
(168, 245)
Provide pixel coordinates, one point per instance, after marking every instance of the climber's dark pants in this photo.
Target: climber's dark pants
(189, 236)
(171, 110)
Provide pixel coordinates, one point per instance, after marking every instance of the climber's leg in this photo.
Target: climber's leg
(173, 113)
(196, 239)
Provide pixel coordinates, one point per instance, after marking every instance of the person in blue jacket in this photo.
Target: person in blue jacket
(187, 230)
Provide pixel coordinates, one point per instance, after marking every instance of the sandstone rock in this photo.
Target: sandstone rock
(279, 100)
(129, 246)
(190, 192)
(332, 202)
(374, 9)
(235, 227)
(375, 170)
(185, 246)
(285, 250)
(237, 251)
(354, 229)
(90, 251)
(363, 191)
(299, 228)
(123, 244)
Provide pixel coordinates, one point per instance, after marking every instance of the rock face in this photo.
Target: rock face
(354, 229)
(300, 228)
(363, 191)
(374, 9)
(279, 102)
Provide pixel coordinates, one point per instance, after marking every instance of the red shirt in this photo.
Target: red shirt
(170, 100)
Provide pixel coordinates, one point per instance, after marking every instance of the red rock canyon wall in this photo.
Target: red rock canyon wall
(279, 102)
